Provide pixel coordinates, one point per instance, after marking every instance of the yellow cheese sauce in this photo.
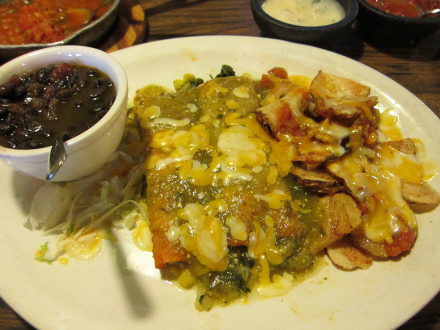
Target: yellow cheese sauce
(305, 12)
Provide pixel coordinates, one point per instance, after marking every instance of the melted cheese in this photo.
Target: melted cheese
(283, 153)
(375, 178)
(301, 81)
(262, 245)
(275, 199)
(152, 111)
(179, 145)
(335, 132)
(389, 125)
(241, 92)
(237, 228)
(214, 88)
(142, 236)
(169, 122)
(84, 246)
(203, 233)
(403, 166)
(192, 107)
(279, 286)
(239, 146)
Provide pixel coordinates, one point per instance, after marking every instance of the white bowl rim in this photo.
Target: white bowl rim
(98, 128)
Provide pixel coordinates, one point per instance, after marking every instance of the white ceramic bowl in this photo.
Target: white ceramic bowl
(86, 152)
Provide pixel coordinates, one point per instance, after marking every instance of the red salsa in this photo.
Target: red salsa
(406, 8)
(44, 21)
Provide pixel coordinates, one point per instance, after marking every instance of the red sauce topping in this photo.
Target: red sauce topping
(406, 8)
(45, 21)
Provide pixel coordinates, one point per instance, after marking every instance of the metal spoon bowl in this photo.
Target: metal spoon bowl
(57, 157)
(431, 12)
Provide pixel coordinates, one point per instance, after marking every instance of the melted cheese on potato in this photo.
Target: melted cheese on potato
(375, 178)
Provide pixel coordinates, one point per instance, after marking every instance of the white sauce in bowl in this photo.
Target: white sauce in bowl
(305, 12)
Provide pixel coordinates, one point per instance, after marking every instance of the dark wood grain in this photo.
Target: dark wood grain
(416, 66)
(129, 28)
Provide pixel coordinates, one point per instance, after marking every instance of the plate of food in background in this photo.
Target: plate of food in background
(30, 25)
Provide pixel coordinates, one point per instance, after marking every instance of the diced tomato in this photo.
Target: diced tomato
(61, 71)
(279, 72)
(265, 82)
(363, 207)
(402, 242)
(287, 122)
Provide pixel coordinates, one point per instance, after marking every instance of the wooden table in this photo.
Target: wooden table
(416, 67)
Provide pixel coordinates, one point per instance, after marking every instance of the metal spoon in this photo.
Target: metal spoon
(431, 12)
(57, 157)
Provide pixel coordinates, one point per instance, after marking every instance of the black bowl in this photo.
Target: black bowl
(395, 28)
(304, 34)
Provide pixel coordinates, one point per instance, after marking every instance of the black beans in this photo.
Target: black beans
(39, 106)
(35, 89)
(92, 73)
(21, 134)
(50, 91)
(6, 88)
(66, 93)
(3, 110)
(17, 109)
(19, 91)
(43, 75)
(6, 128)
(34, 126)
(97, 92)
(7, 142)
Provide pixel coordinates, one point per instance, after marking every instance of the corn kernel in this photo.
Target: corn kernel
(186, 279)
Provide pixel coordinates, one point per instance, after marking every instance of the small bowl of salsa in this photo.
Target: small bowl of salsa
(399, 20)
(74, 93)
(30, 25)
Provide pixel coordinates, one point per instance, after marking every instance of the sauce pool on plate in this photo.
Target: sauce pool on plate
(305, 12)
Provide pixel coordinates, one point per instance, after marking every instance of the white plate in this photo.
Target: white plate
(120, 288)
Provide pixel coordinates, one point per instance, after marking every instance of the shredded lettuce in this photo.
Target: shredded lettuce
(111, 197)
(43, 251)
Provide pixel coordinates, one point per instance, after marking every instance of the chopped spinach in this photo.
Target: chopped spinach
(226, 71)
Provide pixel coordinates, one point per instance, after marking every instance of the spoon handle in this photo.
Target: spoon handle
(431, 12)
